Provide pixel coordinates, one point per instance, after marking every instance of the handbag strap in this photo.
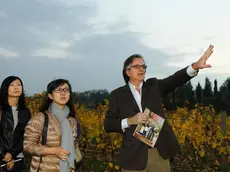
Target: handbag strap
(0, 116)
(45, 128)
(44, 135)
(0, 113)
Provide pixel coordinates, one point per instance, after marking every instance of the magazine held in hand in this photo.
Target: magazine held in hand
(149, 132)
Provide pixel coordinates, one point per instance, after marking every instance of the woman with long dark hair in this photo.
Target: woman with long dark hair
(14, 116)
(60, 152)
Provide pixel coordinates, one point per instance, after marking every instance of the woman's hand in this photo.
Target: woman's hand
(61, 153)
(7, 157)
(10, 165)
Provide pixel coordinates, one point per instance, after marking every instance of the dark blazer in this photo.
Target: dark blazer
(134, 153)
(12, 140)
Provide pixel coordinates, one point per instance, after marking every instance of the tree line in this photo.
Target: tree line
(185, 95)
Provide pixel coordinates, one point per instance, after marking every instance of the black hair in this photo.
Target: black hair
(4, 93)
(50, 88)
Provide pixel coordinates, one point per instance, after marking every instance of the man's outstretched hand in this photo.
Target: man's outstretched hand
(201, 63)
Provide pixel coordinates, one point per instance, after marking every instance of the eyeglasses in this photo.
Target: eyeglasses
(138, 66)
(59, 90)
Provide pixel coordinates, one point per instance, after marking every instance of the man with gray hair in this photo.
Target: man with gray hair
(126, 107)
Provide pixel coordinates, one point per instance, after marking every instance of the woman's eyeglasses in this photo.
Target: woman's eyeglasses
(59, 90)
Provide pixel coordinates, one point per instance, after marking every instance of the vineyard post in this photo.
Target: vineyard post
(224, 158)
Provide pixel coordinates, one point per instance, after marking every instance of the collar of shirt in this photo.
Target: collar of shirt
(14, 108)
(136, 94)
(134, 87)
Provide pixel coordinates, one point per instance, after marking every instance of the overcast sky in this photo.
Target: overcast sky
(87, 41)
